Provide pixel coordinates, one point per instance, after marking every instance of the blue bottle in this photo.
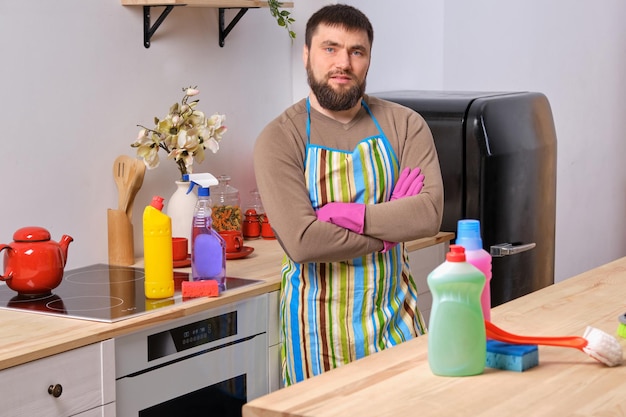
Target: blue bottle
(468, 236)
(208, 249)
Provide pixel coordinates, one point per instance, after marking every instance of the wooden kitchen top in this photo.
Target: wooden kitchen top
(28, 336)
(567, 382)
(25, 337)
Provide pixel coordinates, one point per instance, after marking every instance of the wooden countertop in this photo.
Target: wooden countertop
(29, 336)
(567, 382)
(25, 337)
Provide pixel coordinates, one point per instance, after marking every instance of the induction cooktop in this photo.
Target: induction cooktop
(102, 292)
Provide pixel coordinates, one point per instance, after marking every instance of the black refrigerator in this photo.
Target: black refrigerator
(497, 152)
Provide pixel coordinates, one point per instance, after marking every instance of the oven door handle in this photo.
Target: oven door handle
(504, 249)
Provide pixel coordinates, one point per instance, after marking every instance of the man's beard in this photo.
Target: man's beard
(333, 100)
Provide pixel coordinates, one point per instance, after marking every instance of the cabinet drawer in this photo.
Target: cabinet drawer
(83, 378)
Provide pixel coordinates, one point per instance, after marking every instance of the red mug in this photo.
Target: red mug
(179, 248)
(233, 239)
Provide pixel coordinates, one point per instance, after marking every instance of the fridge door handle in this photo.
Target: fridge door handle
(504, 249)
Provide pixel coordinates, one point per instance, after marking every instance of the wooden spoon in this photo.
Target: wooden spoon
(121, 175)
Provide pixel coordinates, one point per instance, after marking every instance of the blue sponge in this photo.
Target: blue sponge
(511, 357)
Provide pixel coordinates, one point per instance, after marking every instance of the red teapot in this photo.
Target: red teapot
(34, 264)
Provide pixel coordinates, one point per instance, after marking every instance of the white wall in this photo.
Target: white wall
(408, 44)
(574, 52)
(75, 79)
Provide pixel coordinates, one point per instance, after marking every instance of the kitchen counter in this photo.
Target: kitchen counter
(398, 381)
(29, 336)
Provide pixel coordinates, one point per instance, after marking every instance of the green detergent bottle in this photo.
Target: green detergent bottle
(456, 331)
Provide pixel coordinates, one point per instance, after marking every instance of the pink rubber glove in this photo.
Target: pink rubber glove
(350, 216)
(387, 246)
(409, 183)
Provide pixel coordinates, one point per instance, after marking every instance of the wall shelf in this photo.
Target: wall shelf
(168, 5)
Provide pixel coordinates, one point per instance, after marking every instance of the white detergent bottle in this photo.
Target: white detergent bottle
(208, 249)
(468, 236)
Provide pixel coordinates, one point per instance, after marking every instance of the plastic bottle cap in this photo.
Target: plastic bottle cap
(203, 180)
(456, 254)
(203, 192)
(468, 234)
(157, 202)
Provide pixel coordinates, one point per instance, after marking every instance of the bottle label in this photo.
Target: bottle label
(207, 256)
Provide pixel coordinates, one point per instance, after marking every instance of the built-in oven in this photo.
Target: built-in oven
(207, 364)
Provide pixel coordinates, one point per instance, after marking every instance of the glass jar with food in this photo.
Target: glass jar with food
(226, 213)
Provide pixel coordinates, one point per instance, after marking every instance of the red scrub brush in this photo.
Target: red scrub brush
(599, 345)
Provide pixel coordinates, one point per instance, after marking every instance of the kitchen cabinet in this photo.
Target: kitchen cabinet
(77, 382)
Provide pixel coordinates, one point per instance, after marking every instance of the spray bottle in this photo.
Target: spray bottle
(468, 236)
(208, 249)
(157, 246)
(457, 344)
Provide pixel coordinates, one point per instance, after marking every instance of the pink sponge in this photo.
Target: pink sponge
(192, 289)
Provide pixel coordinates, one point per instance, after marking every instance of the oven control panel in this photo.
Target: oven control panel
(190, 335)
(178, 339)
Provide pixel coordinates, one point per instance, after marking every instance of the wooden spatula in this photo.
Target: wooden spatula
(138, 172)
(122, 176)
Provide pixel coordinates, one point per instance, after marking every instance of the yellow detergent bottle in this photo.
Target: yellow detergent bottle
(157, 247)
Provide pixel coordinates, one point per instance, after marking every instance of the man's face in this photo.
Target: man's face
(337, 65)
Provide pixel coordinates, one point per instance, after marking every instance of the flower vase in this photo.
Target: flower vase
(180, 209)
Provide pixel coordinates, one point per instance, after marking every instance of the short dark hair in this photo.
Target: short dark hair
(340, 15)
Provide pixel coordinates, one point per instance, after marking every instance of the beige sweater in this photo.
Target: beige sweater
(279, 168)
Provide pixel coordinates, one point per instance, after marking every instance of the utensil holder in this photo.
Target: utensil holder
(120, 236)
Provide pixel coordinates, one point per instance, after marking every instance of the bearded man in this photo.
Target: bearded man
(345, 178)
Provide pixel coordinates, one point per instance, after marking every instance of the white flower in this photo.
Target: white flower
(184, 134)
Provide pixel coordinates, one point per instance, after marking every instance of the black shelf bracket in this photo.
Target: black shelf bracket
(149, 28)
(225, 31)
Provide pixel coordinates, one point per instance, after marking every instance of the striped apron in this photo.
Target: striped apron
(334, 313)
